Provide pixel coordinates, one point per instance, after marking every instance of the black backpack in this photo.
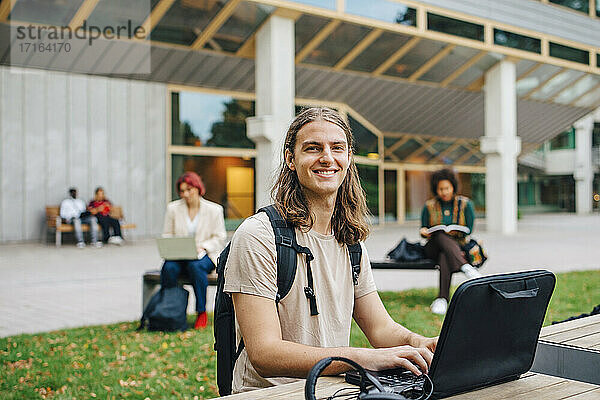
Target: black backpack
(166, 310)
(226, 347)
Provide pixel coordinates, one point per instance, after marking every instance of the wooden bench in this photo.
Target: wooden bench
(151, 283)
(151, 279)
(392, 264)
(55, 223)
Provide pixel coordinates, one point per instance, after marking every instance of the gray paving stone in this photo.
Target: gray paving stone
(70, 287)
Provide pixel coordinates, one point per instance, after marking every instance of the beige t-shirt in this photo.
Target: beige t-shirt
(252, 269)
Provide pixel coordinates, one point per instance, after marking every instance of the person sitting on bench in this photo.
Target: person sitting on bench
(73, 211)
(193, 215)
(447, 208)
(100, 207)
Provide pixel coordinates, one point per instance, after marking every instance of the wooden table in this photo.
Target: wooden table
(529, 386)
(571, 350)
(582, 334)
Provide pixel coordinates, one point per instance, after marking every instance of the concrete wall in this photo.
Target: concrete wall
(59, 130)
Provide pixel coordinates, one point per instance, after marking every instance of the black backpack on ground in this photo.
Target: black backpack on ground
(166, 310)
(228, 350)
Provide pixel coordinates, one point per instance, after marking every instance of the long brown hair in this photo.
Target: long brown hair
(349, 219)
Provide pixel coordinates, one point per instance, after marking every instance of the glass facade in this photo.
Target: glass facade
(229, 181)
(118, 12)
(53, 12)
(418, 56)
(564, 140)
(390, 187)
(596, 135)
(338, 44)
(453, 26)
(383, 10)
(516, 41)
(569, 53)
(365, 141)
(329, 4)
(201, 119)
(239, 27)
(185, 20)
(379, 51)
(577, 5)
(370, 184)
(212, 122)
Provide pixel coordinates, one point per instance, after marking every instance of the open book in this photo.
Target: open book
(448, 229)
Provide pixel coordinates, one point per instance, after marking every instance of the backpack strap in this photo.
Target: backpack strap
(355, 251)
(287, 250)
(154, 300)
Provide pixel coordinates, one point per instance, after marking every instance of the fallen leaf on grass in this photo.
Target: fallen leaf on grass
(20, 364)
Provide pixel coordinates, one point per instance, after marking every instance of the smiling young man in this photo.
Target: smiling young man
(318, 191)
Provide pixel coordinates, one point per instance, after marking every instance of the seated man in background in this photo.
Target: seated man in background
(73, 211)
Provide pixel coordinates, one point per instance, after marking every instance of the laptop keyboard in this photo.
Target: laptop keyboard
(396, 380)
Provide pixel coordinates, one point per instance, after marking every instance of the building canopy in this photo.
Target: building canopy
(410, 69)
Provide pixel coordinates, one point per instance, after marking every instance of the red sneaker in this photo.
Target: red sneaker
(201, 321)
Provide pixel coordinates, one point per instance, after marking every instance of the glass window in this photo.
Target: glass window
(368, 179)
(453, 26)
(337, 44)
(569, 53)
(556, 84)
(416, 57)
(407, 149)
(305, 29)
(589, 100)
(534, 79)
(391, 194)
(579, 88)
(477, 70)
(185, 20)
(387, 142)
(329, 4)
(477, 194)
(119, 12)
(51, 12)
(514, 40)
(202, 119)
(596, 135)
(598, 13)
(416, 192)
(383, 10)
(239, 27)
(578, 5)
(229, 181)
(457, 57)
(365, 141)
(564, 140)
(379, 51)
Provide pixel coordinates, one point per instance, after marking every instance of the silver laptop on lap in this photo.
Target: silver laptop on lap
(177, 248)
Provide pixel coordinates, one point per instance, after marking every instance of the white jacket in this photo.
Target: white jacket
(71, 208)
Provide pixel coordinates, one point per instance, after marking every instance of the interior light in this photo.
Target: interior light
(373, 156)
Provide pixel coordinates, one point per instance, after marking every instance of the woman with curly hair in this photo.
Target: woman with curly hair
(447, 208)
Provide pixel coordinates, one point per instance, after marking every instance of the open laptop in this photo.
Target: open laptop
(489, 334)
(177, 248)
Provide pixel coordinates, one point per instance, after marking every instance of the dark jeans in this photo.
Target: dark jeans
(107, 222)
(196, 270)
(449, 256)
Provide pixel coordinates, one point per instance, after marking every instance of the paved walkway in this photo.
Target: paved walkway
(43, 288)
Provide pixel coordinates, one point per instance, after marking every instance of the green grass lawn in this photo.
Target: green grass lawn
(115, 361)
